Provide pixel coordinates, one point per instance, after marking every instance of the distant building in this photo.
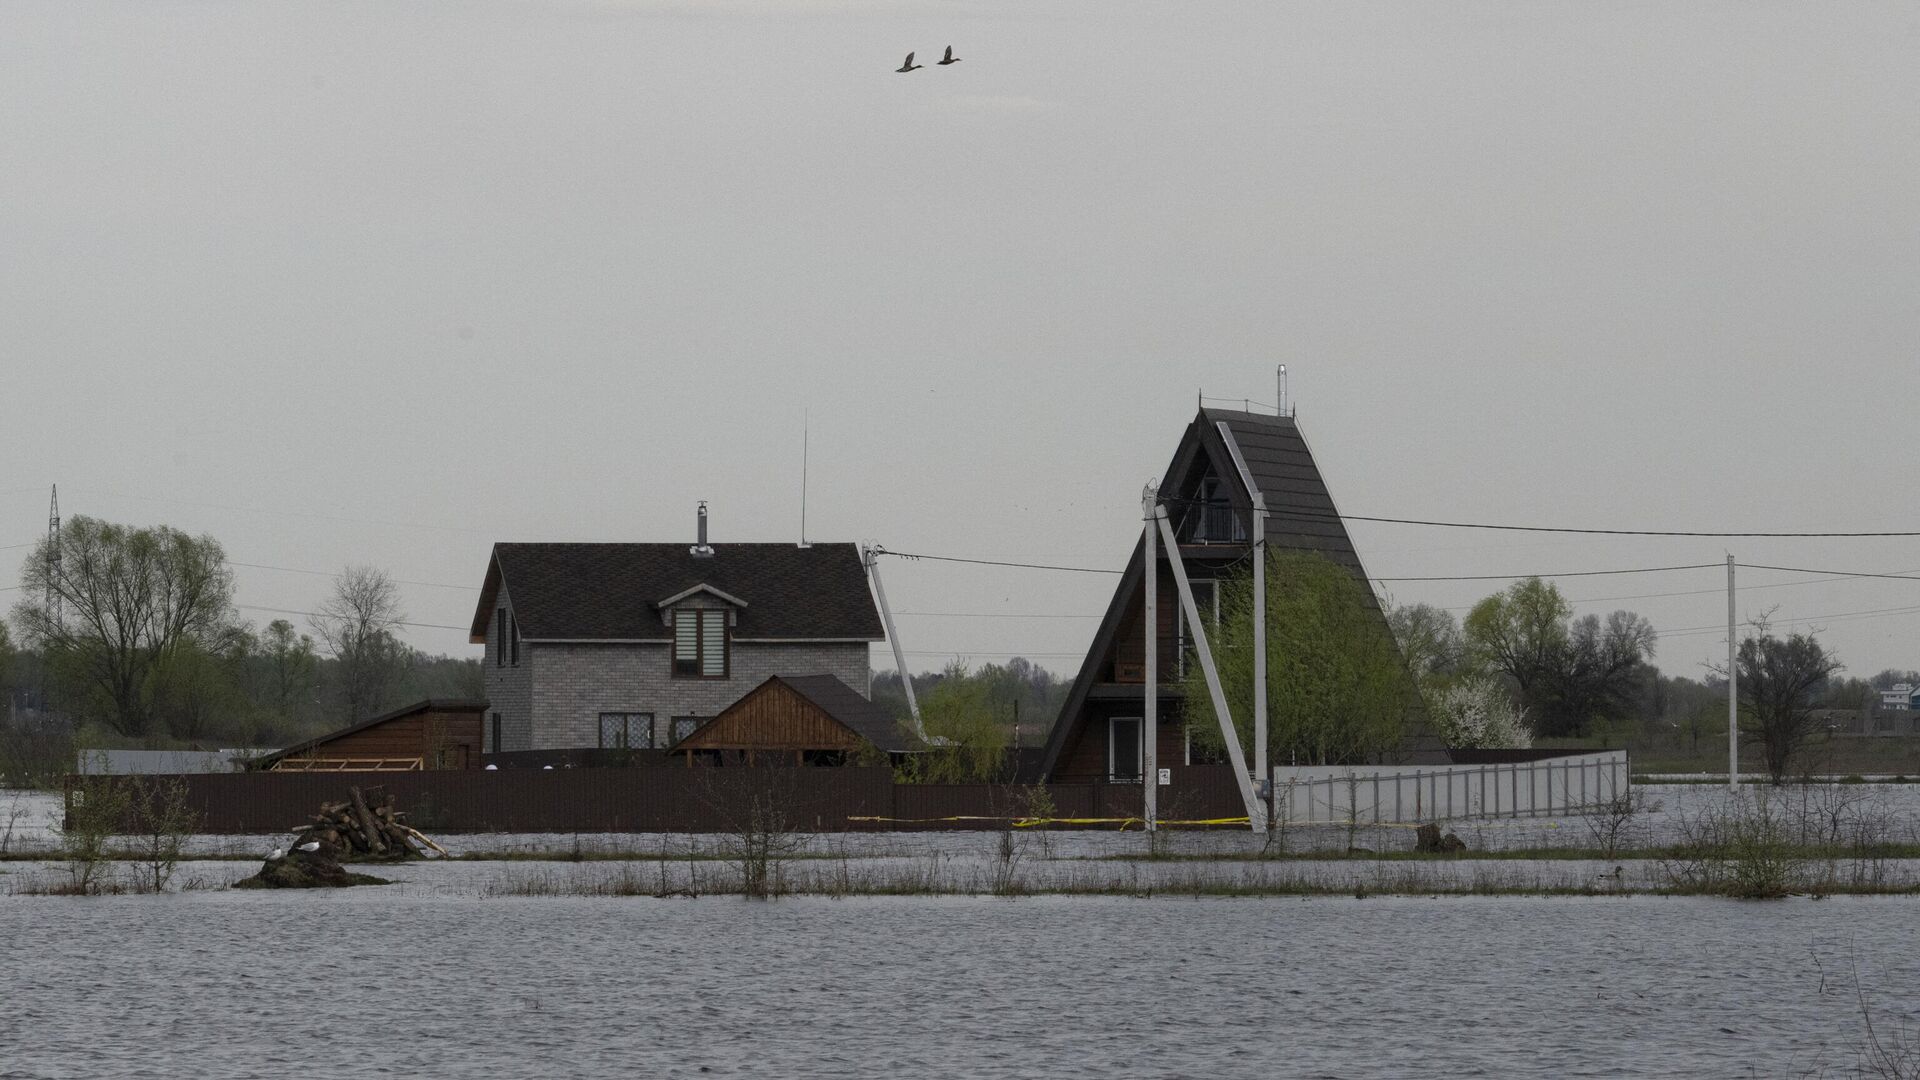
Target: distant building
(1899, 698)
(636, 646)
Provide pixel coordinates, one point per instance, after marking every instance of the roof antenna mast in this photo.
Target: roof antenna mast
(1282, 407)
(806, 419)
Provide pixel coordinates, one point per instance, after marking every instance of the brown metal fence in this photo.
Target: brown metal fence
(593, 800)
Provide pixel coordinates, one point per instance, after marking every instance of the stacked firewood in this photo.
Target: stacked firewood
(363, 828)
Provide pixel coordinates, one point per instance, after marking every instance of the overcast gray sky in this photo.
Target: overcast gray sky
(385, 283)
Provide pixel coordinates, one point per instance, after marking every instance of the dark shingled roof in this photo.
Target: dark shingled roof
(1282, 468)
(435, 704)
(844, 703)
(611, 591)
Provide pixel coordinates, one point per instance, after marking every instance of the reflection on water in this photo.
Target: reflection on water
(418, 982)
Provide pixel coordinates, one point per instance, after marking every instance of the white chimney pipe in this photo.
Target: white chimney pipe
(700, 549)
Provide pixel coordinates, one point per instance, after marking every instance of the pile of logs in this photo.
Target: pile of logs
(360, 828)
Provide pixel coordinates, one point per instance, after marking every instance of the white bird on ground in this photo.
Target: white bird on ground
(276, 854)
(311, 845)
(492, 768)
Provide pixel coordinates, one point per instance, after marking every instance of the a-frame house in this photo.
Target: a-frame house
(1223, 458)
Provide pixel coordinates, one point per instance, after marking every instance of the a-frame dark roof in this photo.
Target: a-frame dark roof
(590, 592)
(1300, 517)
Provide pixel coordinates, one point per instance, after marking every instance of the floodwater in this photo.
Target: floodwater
(414, 983)
(456, 971)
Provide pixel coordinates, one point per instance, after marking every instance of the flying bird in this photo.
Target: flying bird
(909, 65)
(951, 59)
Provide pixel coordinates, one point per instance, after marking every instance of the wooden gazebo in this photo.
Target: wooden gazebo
(794, 720)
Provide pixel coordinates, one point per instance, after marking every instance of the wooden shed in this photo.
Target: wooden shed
(430, 734)
(794, 720)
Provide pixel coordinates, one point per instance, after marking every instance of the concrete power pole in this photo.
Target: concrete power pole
(1733, 690)
(1150, 708)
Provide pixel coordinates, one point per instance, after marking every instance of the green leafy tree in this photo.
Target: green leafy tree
(132, 599)
(1520, 632)
(967, 743)
(1337, 688)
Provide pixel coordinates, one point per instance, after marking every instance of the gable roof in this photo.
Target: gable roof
(266, 761)
(1236, 447)
(838, 702)
(612, 591)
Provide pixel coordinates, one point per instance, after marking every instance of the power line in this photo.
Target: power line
(1870, 613)
(1314, 515)
(995, 562)
(1835, 573)
(996, 615)
(315, 614)
(330, 573)
(1570, 573)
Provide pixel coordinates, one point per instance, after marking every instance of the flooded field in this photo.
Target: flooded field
(514, 962)
(416, 982)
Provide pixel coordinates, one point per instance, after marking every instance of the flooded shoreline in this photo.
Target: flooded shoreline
(944, 986)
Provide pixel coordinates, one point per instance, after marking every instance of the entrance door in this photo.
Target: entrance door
(1123, 748)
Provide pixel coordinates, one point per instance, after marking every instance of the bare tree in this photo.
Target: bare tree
(1780, 680)
(133, 600)
(1429, 638)
(357, 624)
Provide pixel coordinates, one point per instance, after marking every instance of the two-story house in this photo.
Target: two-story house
(635, 645)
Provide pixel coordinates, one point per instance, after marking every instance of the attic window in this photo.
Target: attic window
(1211, 518)
(699, 644)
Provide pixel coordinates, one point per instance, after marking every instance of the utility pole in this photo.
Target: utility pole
(1263, 777)
(1733, 690)
(55, 599)
(1256, 810)
(871, 556)
(1150, 708)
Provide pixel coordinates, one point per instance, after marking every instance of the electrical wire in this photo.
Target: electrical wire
(1568, 574)
(994, 562)
(401, 622)
(332, 573)
(1312, 515)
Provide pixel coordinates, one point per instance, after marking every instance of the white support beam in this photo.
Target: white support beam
(871, 556)
(1256, 811)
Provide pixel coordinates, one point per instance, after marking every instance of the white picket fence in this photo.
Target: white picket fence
(1406, 794)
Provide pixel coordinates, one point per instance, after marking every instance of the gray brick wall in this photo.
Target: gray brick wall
(509, 689)
(574, 684)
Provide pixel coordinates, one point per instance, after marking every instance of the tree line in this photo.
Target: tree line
(131, 636)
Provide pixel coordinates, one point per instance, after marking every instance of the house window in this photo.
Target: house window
(496, 733)
(626, 731)
(500, 638)
(1123, 748)
(699, 644)
(513, 635)
(684, 726)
